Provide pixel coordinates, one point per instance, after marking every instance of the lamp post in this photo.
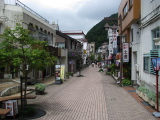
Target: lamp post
(156, 67)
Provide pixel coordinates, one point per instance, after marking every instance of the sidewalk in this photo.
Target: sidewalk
(95, 96)
(132, 91)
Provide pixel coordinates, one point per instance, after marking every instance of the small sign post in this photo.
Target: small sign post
(156, 66)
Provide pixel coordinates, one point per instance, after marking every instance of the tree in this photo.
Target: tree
(99, 58)
(92, 57)
(20, 50)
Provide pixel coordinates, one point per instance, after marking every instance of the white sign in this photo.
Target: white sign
(114, 39)
(125, 52)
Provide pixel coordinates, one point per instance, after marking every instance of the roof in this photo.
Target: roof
(112, 27)
(73, 32)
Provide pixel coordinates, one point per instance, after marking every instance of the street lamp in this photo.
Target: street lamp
(156, 67)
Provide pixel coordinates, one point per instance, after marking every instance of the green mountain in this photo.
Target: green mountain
(98, 34)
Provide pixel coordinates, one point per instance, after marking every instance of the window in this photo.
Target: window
(125, 10)
(132, 34)
(146, 63)
(156, 36)
(156, 33)
(71, 44)
(61, 45)
(130, 3)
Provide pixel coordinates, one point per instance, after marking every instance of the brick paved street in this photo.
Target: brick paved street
(95, 96)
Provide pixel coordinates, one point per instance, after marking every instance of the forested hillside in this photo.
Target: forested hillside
(98, 34)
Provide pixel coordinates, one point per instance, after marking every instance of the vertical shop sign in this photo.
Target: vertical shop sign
(57, 70)
(62, 72)
(114, 39)
(125, 52)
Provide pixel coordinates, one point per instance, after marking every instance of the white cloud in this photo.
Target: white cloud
(74, 14)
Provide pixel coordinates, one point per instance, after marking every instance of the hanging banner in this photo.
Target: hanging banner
(125, 52)
(62, 72)
(114, 39)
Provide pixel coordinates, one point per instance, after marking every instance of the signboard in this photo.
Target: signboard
(62, 72)
(57, 70)
(114, 39)
(125, 52)
(156, 63)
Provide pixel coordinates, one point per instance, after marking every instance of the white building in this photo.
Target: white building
(79, 36)
(12, 12)
(150, 34)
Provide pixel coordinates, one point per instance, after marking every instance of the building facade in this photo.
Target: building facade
(16, 12)
(150, 41)
(129, 32)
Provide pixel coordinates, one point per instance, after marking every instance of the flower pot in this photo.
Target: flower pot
(39, 92)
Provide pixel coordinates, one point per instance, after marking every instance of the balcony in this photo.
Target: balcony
(74, 53)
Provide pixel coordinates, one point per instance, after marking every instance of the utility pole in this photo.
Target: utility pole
(121, 49)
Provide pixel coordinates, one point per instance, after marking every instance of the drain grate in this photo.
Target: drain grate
(145, 103)
(131, 90)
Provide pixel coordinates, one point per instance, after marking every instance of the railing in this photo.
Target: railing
(18, 3)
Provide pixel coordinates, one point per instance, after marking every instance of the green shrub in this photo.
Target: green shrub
(101, 70)
(126, 81)
(40, 86)
(28, 111)
(143, 89)
(108, 73)
(151, 95)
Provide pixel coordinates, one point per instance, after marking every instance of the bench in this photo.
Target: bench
(16, 97)
(4, 112)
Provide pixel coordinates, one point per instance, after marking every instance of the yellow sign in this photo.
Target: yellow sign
(62, 72)
(84, 51)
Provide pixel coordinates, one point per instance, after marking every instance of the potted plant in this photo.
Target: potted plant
(39, 88)
(101, 70)
(71, 73)
(67, 75)
(126, 82)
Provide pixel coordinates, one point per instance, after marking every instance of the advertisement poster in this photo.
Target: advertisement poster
(62, 72)
(125, 52)
(57, 70)
(156, 63)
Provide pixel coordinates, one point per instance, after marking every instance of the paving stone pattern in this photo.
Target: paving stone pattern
(95, 96)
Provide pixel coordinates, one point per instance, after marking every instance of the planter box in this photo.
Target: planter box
(142, 95)
(152, 103)
(138, 92)
(39, 92)
(126, 85)
(146, 98)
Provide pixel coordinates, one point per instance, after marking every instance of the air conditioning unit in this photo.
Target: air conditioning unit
(156, 41)
(136, 67)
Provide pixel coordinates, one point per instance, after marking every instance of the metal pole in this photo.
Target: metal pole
(121, 49)
(157, 91)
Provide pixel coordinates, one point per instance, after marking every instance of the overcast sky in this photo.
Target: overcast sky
(74, 14)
